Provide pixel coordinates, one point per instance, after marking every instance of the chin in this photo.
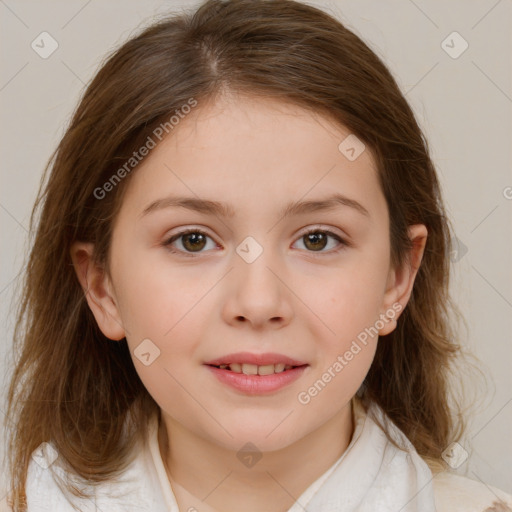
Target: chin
(262, 438)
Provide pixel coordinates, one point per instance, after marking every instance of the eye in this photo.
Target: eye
(315, 240)
(192, 241)
(195, 240)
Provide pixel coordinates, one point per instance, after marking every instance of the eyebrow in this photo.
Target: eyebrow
(217, 208)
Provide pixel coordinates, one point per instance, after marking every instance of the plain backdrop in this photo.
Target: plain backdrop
(463, 103)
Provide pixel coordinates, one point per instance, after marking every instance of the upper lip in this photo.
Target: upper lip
(257, 359)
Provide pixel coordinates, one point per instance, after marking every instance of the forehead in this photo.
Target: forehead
(263, 123)
(248, 150)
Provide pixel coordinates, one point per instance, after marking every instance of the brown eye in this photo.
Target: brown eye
(191, 241)
(315, 241)
(318, 239)
(194, 241)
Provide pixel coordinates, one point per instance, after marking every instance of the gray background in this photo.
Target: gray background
(463, 104)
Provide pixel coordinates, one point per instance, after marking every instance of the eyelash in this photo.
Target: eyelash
(167, 244)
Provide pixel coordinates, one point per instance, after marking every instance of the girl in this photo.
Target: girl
(237, 295)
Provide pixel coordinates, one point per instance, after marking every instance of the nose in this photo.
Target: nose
(258, 294)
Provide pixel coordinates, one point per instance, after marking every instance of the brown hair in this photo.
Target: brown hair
(76, 388)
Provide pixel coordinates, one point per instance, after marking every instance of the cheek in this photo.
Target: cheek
(157, 296)
(345, 343)
(349, 298)
(348, 347)
(161, 320)
(162, 303)
(348, 304)
(333, 385)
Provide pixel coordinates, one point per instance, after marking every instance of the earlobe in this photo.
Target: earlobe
(97, 289)
(401, 281)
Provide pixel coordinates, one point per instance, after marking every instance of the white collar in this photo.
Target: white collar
(372, 475)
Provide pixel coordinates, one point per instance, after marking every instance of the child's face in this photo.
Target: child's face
(309, 305)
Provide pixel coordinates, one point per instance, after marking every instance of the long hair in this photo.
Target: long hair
(76, 388)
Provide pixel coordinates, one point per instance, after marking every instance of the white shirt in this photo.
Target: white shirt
(371, 476)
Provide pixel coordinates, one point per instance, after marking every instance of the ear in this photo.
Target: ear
(400, 281)
(98, 290)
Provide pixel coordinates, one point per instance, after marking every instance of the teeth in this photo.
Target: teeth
(266, 370)
(235, 367)
(250, 369)
(253, 369)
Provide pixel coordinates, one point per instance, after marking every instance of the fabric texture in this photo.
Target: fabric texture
(372, 475)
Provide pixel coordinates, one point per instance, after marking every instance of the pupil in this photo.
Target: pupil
(317, 239)
(194, 240)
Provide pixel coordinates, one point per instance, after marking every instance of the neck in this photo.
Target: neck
(206, 474)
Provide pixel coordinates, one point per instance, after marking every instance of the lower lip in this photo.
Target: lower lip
(257, 384)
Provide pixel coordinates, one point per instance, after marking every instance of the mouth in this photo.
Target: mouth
(253, 369)
(252, 379)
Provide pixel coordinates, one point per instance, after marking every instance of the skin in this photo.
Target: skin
(257, 156)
